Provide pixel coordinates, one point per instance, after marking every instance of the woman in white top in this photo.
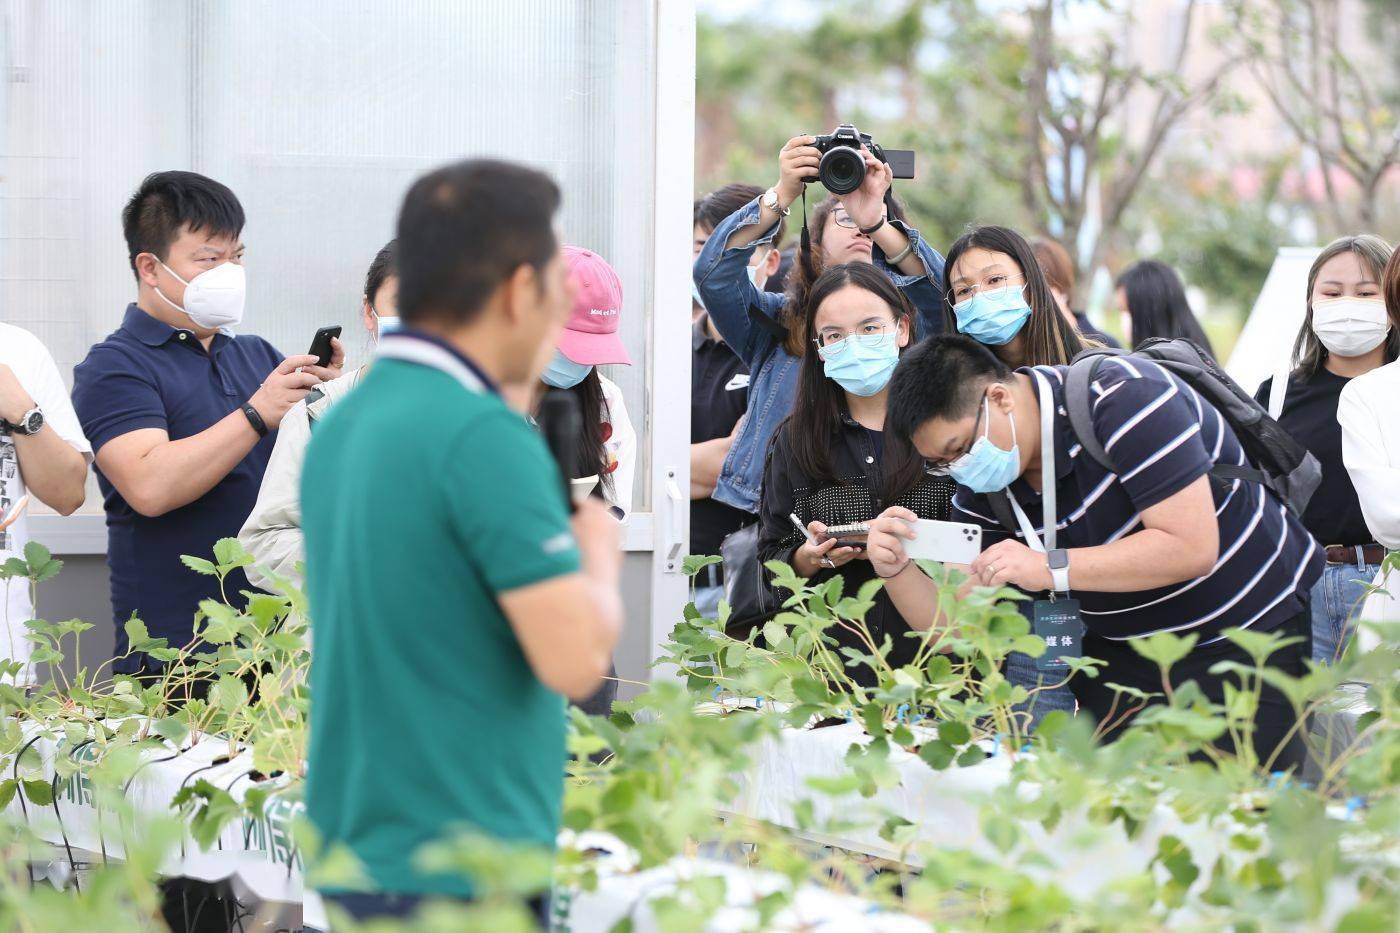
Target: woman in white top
(272, 533)
(1369, 411)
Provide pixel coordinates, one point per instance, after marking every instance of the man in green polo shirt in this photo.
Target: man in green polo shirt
(452, 597)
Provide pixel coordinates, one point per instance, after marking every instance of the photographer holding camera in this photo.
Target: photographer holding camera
(767, 330)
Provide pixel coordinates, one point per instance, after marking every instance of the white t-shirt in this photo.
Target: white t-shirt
(34, 368)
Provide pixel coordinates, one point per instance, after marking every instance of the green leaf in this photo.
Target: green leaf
(7, 791)
(694, 563)
(228, 553)
(937, 754)
(172, 729)
(136, 631)
(954, 733)
(972, 755)
(199, 565)
(230, 693)
(39, 792)
(1164, 648)
(835, 786)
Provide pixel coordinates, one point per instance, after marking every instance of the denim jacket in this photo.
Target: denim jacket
(747, 319)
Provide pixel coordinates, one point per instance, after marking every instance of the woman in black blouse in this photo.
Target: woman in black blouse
(1346, 333)
(831, 462)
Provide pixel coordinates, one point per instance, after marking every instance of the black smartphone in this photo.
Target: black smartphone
(857, 543)
(321, 344)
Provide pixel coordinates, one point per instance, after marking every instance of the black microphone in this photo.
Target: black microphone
(562, 425)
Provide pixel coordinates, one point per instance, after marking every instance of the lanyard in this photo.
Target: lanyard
(1047, 474)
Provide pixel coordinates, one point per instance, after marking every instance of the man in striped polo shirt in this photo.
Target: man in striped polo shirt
(1158, 546)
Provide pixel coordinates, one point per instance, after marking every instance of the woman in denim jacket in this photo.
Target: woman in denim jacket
(761, 328)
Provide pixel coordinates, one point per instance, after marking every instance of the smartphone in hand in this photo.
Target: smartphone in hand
(321, 344)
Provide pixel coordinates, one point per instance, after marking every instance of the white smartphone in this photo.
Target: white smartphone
(581, 488)
(946, 542)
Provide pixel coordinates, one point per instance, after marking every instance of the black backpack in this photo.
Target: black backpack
(1279, 462)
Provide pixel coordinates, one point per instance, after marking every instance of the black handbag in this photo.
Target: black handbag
(751, 600)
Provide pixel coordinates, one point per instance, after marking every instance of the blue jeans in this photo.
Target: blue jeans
(1336, 600)
(1020, 670)
(707, 600)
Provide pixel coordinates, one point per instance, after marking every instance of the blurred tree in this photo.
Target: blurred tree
(1344, 108)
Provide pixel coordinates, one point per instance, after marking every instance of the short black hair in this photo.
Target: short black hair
(711, 209)
(943, 377)
(384, 264)
(464, 229)
(167, 201)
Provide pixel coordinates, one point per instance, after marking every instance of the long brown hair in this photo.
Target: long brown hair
(1050, 339)
(1390, 287)
(816, 416)
(1373, 253)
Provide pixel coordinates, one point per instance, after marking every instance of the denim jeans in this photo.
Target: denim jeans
(1020, 670)
(1336, 599)
(707, 600)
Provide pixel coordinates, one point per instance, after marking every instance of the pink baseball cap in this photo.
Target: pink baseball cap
(590, 338)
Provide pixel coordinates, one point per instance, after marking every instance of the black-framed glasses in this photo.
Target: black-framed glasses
(943, 468)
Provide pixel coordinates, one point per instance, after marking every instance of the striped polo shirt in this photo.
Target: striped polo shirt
(1163, 436)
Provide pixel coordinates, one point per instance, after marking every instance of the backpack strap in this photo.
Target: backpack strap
(1079, 405)
(1081, 418)
(1001, 507)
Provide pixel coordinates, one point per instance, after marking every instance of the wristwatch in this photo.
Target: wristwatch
(1058, 560)
(31, 423)
(770, 201)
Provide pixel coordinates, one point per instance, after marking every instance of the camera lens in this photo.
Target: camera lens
(842, 170)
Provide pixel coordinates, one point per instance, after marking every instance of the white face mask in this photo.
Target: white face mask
(1350, 326)
(214, 298)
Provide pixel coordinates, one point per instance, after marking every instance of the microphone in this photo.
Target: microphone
(562, 424)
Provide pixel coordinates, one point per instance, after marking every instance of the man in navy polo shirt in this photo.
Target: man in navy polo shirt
(1159, 545)
(179, 410)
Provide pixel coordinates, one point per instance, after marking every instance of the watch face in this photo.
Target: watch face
(33, 422)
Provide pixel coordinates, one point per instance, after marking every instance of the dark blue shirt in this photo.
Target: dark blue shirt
(1162, 437)
(148, 374)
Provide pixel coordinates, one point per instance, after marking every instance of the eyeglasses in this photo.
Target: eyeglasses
(844, 220)
(832, 340)
(944, 467)
(994, 287)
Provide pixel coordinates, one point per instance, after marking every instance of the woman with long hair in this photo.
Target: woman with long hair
(832, 462)
(1346, 333)
(1152, 300)
(995, 292)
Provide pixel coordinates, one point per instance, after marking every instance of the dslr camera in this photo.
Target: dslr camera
(842, 168)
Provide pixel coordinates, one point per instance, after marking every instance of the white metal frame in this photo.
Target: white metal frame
(674, 171)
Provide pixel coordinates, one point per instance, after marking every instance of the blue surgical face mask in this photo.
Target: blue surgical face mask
(993, 320)
(695, 295)
(564, 373)
(986, 468)
(385, 324)
(861, 363)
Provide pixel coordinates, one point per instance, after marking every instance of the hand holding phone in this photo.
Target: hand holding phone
(945, 542)
(321, 344)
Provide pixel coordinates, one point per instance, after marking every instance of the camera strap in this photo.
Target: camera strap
(806, 234)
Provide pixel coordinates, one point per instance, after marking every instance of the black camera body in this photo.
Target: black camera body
(842, 168)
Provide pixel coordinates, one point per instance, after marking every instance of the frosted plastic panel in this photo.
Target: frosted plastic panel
(318, 115)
